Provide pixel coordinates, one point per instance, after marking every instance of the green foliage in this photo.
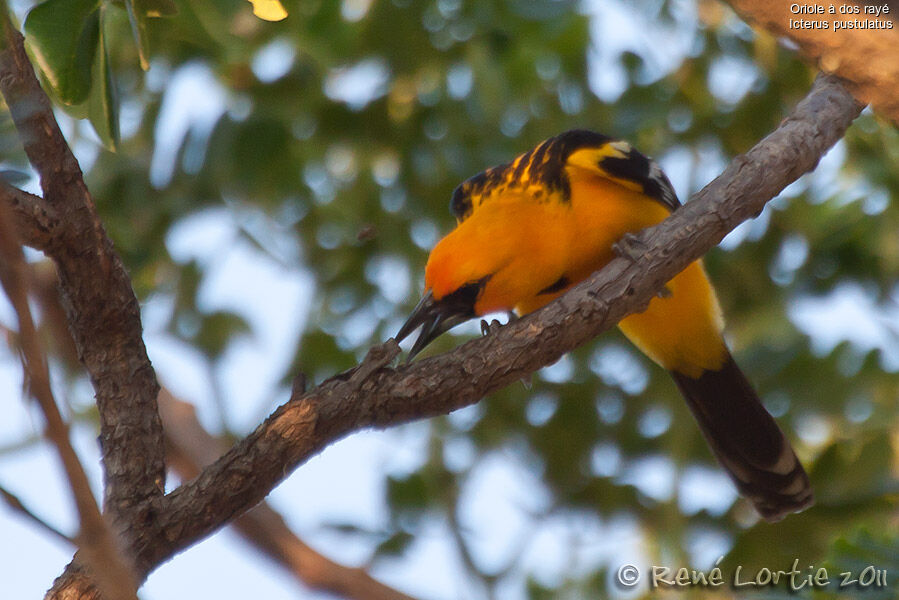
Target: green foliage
(64, 35)
(70, 48)
(360, 183)
(856, 553)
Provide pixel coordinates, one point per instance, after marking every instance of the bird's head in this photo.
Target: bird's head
(461, 264)
(453, 287)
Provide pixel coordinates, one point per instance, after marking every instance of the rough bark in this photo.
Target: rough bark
(868, 59)
(97, 545)
(103, 313)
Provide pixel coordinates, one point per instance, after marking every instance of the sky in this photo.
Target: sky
(275, 296)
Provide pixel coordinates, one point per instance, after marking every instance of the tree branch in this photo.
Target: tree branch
(103, 313)
(866, 58)
(97, 544)
(35, 222)
(15, 504)
(374, 395)
(191, 448)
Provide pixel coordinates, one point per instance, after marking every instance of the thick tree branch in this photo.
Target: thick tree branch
(375, 395)
(191, 448)
(866, 58)
(97, 544)
(102, 310)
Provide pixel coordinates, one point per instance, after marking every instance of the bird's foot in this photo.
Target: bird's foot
(630, 246)
(486, 327)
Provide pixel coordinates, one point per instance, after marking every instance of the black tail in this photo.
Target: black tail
(747, 441)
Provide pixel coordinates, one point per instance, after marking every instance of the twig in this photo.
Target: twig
(102, 311)
(15, 504)
(104, 560)
(191, 448)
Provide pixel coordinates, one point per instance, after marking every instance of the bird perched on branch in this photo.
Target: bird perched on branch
(531, 229)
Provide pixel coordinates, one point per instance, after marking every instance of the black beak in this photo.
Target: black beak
(435, 317)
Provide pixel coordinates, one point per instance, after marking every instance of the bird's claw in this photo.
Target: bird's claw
(486, 327)
(629, 246)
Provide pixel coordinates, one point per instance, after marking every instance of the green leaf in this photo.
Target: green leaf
(63, 34)
(138, 13)
(103, 104)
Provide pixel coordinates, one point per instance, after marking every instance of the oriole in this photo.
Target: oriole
(530, 229)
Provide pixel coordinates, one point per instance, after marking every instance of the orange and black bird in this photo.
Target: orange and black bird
(530, 229)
